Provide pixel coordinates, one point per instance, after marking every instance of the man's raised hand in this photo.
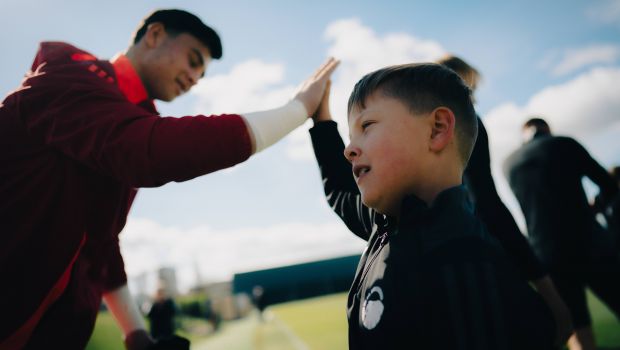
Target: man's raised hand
(312, 89)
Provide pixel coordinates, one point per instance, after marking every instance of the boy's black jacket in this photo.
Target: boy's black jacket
(433, 280)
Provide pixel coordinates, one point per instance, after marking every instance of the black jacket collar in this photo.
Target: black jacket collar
(450, 215)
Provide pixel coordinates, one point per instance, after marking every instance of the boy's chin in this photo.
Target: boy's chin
(376, 205)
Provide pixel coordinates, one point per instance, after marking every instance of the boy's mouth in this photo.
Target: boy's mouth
(360, 170)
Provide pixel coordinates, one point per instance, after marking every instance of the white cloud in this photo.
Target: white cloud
(606, 11)
(574, 59)
(361, 50)
(250, 86)
(586, 108)
(217, 254)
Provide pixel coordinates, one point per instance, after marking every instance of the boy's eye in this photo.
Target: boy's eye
(365, 125)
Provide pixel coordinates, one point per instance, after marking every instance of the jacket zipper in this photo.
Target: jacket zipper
(384, 237)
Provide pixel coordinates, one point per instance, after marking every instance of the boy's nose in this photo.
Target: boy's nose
(351, 152)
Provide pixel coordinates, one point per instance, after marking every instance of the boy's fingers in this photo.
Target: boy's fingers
(328, 87)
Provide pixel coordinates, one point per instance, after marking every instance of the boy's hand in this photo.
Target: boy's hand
(322, 113)
(312, 90)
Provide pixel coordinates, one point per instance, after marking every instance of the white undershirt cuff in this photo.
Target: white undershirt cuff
(272, 125)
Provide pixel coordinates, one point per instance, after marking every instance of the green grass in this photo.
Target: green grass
(107, 335)
(606, 325)
(319, 323)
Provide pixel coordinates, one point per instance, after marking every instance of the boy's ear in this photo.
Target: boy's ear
(442, 128)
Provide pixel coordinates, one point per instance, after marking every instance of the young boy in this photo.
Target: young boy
(431, 276)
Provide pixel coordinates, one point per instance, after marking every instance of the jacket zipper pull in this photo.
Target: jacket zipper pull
(383, 238)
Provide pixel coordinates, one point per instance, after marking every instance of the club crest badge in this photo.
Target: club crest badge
(373, 308)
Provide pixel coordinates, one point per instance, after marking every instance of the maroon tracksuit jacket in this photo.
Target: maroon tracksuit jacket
(77, 138)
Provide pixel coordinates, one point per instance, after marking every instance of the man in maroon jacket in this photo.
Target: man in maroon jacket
(77, 138)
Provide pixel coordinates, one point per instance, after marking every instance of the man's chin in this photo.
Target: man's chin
(168, 98)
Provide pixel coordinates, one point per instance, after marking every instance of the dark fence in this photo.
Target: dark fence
(299, 281)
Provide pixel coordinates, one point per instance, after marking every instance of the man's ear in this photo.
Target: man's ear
(442, 128)
(155, 34)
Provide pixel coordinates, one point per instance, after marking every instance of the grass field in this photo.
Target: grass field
(317, 324)
(107, 336)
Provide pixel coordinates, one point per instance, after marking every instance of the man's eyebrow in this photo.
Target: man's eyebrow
(201, 60)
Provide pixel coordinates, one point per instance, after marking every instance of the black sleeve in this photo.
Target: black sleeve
(492, 211)
(595, 172)
(339, 185)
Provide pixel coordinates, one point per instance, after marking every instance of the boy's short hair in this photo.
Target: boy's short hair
(179, 21)
(423, 87)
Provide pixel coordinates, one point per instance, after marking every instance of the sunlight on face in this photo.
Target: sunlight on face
(180, 61)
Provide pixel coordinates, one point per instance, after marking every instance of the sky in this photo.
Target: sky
(557, 60)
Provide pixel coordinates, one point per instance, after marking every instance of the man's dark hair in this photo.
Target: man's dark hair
(424, 87)
(179, 21)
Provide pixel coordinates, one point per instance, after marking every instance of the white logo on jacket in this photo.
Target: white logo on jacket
(373, 308)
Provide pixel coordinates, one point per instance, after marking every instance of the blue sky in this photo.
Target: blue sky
(557, 59)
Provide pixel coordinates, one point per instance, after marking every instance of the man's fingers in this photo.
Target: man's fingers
(318, 71)
(330, 61)
(328, 68)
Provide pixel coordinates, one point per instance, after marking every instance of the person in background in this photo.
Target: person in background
(258, 297)
(611, 211)
(545, 174)
(162, 315)
(499, 221)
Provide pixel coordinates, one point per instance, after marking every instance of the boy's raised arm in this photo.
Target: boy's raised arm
(340, 188)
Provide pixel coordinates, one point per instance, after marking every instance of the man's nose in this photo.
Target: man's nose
(193, 78)
(194, 75)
